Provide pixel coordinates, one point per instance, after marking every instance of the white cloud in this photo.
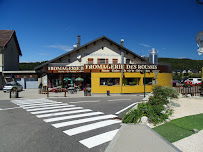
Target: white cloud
(62, 47)
(145, 45)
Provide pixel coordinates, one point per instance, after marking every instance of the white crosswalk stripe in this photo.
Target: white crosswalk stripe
(70, 115)
(38, 106)
(63, 113)
(89, 127)
(69, 123)
(56, 110)
(55, 107)
(99, 139)
(36, 102)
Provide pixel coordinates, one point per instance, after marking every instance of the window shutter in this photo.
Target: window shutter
(98, 61)
(107, 61)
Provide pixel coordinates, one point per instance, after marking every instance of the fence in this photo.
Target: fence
(194, 90)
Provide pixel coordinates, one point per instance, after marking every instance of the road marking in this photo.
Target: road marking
(72, 116)
(62, 113)
(99, 139)
(10, 108)
(89, 127)
(49, 108)
(35, 103)
(69, 123)
(85, 101)
(125, 108)
(119, 99)
(31, 101)
(49, 105)
(56, 110)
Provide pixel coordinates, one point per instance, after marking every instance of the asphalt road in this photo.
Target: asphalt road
(40, 127)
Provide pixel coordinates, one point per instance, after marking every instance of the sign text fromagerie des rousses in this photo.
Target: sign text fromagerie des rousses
(102, 68)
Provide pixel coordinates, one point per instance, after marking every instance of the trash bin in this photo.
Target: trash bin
(88, 89)
(85, 92)
(108, 92)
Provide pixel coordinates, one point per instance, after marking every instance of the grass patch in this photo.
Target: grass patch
(180, 128)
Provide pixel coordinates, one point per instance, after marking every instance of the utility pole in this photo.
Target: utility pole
(144, 82)
(122, 65)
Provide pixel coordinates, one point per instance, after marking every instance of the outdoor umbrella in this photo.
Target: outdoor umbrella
(67, 79)
(79, 79)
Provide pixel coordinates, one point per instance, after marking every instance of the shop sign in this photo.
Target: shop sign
(65, 69)
(119, 67)
(87, 68)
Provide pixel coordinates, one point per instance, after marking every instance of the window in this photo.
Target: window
(68, 60)
(109, 81)
(148, 81)
(90, 60)
(131, 81)
(127, 61)
(115, 61)
(102, 61)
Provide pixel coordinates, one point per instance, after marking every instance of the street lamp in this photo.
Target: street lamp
(144, 82)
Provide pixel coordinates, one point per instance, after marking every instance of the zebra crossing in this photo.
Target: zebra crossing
(72, 119)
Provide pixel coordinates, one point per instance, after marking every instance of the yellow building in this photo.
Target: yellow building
(104, 65)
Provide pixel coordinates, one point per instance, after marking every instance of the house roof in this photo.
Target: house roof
(102, 37)
(5, 37)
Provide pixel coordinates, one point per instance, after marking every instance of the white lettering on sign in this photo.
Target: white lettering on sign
(119, 67)
(103, 67)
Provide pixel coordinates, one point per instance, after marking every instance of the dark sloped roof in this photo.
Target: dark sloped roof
(5, 37)
(102, 37)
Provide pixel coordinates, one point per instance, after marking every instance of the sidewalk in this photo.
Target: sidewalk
(139, 138)
(33, 94)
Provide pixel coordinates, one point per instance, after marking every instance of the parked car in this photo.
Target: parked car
(10, 85)
(194, 80)
(176, 82)
(182, 80)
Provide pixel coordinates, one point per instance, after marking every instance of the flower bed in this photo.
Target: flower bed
(56, 90)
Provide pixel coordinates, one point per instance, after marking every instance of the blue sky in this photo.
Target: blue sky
(48, 28)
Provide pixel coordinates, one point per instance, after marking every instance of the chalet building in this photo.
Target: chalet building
(9, 53)
(9, 62)
(104, 65)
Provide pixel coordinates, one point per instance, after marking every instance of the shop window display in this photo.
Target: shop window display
(109, 81)
(131, 81)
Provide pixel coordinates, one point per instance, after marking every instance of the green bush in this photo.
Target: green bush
(154, 109)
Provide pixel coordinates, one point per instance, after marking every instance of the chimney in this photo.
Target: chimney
(78, 44)
(122, 53)
(122, 41)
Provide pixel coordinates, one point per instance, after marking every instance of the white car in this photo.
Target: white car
(194, 80)
(10, 85)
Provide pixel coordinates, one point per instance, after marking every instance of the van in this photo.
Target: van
(194, 80)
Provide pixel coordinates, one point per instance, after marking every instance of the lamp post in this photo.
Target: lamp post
(122, 64)
(144, 82)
